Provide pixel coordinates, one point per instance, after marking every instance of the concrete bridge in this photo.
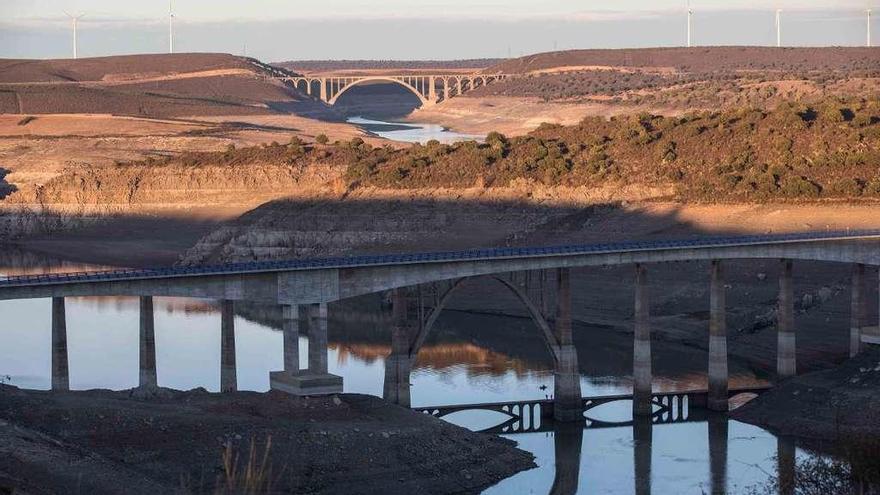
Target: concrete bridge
(430, 89)
(422, 283)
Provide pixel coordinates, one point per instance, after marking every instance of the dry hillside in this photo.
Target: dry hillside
(144, 85)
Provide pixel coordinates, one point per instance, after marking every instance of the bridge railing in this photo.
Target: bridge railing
(431, 257)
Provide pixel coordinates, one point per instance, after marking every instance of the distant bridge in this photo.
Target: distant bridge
(430, 89)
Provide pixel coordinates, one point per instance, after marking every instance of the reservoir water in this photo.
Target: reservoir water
(470, 361)
(411, 132)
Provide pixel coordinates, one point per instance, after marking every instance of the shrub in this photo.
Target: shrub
(873, 187)
(846, 187)
(800, 187)
(322, 139)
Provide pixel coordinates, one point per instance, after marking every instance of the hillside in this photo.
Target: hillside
(144, 85)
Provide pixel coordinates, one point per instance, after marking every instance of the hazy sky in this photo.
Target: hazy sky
(276, 30)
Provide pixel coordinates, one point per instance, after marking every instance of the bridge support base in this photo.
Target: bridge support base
(228, 379)
(398, 364)
(305, 384)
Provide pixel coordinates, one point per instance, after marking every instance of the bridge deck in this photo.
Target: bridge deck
(490, 254)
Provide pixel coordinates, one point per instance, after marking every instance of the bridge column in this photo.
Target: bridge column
(279, 380)
(786, 364)
(147, 344)
(323, 93)
(460, 91)
(857, 310)
(718, 429)
(568, 440)
(60, 368)
(642, 376)
(718, 373)
(318, 339)
(568, 403)
(398, 364)
(432, 89)
(786, 465)
(445, 89)
(228, 380)
(643, 442)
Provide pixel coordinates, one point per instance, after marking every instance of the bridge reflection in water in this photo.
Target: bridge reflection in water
(531, 417)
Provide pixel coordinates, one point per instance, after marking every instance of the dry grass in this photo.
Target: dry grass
(253, 476)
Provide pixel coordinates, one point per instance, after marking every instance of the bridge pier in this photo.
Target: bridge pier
(718, 438)
(323, 90)
(147, 344)
(642, 375)
(718, 372)
(786, 360)
(398, 364)
(643, 441)
(568, 402)
(60, 367)
(228, 379)
(316, 380)
(857, 310)
(280, 380)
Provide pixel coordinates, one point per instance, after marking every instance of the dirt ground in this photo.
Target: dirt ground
(828, 405)
(162, 441)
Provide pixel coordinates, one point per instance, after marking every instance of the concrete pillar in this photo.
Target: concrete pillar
(718, 374)
(445, 89)
(718, 426)
(786, 465)
(318, 339)
(323, 83)
(786, 365)
(858, 310)
(147, 344)
(642, 375)
(398, 364)
(643, 441)
(432, 89)
(460, 91)
(60, 368)
(568, 439)
(568, 403)
(228, 380)
(290, 327)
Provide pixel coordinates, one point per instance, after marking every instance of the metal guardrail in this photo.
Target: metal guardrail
(431, 257)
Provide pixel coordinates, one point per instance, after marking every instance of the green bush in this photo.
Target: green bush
(800, 187)
(322, 139)
(846, 187)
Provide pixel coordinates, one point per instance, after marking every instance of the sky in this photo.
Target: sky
(276, 30)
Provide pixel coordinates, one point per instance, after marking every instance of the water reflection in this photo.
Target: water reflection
(104, 335)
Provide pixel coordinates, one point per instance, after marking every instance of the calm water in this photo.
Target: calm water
(410, 132)
(454, 368)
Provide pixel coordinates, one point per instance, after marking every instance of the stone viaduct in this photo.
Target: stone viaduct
(311, 284)
(430, 89)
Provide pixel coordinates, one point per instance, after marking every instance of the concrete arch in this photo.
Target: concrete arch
(356, 82)
(539, 319)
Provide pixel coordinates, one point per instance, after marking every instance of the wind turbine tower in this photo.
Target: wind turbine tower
(690, 22)
(778, 28)
(74, 20)
(869, 27)
(170, 26)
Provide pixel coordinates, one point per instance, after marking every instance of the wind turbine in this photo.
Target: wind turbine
(778, 28)
(690, 21)
(74, 19)
(170, 26)
(868, 11)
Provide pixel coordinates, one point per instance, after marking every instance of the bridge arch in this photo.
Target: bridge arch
(549, 337)
(359, 81)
